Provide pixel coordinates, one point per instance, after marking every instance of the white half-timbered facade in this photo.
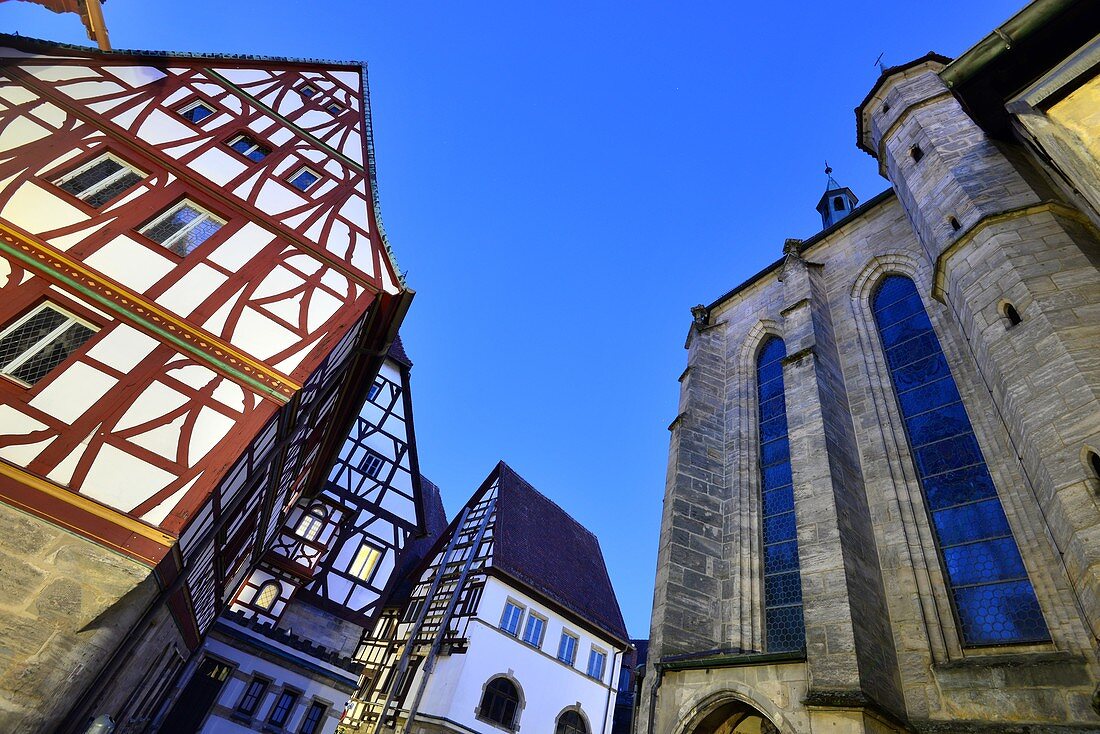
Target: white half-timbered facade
(194, 296)
(287, 641)
(509, 622)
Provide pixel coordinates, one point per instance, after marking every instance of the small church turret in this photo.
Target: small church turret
(836, 203)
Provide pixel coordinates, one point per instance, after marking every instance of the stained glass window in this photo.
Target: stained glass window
(784, 629)
(993, 597)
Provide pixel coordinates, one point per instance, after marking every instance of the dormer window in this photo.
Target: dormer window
(196, 112)
(249, 148)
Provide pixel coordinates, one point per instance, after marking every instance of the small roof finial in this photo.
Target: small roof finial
(828, 169)
(878, 62)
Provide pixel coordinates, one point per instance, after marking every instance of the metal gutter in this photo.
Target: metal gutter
(735, 660)
(1002, 39)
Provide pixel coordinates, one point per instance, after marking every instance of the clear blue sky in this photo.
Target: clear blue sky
(563, 181)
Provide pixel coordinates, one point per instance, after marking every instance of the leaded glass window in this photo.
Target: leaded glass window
(101, 180)
(993, 598)
(183, 227)
(267, 595)
(784, 629)
(196, 112)
(39, 341)
(247, 146)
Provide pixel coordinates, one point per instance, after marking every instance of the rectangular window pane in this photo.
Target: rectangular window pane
(183, 227)
(509, 621)
(365, 559)
(29, 351)
(595, 663)
(17, 341)
(198, 234)
(197, 112)
(532, 633)
(311, 724)
(567, 648)
(91, 176)
(175, 221)
(283, 707)
(304, 179)
(113, 189)
(975, 521)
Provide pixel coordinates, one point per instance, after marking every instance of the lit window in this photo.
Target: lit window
(183, 227)
(196, 112)
(39, 341)
(312, 721)
(304, 179)
(532, 633)
(499, 703)
(334, 108)
(567, 648)
(366, 558)
(311, 524)
(249, 148)
(596, 660)
(252, 696)
(371, 464)
(267, 595)
(101, 180)
(307, 90)
(570, 723)
(283, 706)
(784, 628)
(509, 621)
(993, 597)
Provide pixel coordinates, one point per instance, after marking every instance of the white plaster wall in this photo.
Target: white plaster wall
(548, 685)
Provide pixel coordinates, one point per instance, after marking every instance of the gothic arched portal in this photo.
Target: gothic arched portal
(734, 717)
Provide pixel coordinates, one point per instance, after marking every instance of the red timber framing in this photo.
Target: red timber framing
(259, 344)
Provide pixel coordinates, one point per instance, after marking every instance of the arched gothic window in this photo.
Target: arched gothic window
(784, 628)
(499, 703)
(571, 723)
(267, 595)
(993, 597)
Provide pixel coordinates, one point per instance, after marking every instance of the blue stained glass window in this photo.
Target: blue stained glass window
(784, 629)
(993, 597)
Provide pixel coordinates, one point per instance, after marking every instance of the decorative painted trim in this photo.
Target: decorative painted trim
(135, 308)
(1054, 208)
(75, 512)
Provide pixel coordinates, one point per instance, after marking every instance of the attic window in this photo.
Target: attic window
(916, 153)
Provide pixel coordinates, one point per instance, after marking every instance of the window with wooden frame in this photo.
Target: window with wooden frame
(365, 561)
(311, 724)
(307, 90)
(183, 227)
(499, 703)
(196, 111)
(334, 108)
(371, 465)
(252, 695)
(567, 649)
(100, 180)
(284, 704)
(304, 178)
(249, 147)
(40, 340)
(309, 527)
(534, 629)
(509, 620)
(597, 659)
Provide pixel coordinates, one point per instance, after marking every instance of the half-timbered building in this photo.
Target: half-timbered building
(510, 620)
(195, 296)
(282, 654)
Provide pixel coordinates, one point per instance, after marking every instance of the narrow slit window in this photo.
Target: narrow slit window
(39, 341)
(183, 228)
(303, 179)
(1012, 316)
(1094, 462)
(101, 180)
(916, 153)
(196, 112)
(992, 595)
(784, 627)
(249, 148)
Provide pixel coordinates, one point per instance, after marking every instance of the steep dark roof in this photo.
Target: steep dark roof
(435, 524)
(397, 354)
(540, 545)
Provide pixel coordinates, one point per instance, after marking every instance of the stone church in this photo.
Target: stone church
(883, 492)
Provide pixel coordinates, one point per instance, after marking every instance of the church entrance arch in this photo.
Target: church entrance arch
(732, 716)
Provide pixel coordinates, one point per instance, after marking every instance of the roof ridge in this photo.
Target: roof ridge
(178, 54)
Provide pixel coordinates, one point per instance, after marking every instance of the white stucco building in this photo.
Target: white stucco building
(510, 624)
